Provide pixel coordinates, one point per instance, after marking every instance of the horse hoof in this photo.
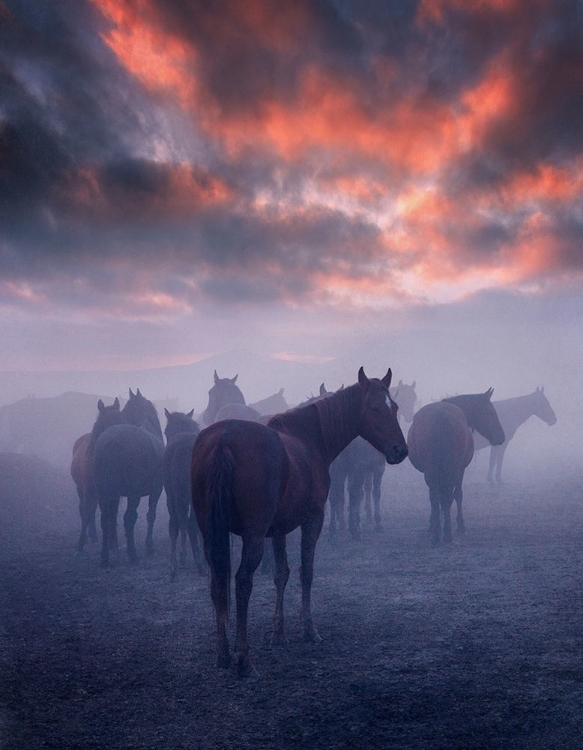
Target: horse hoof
(223, 662)
(313, 638)
(150, 551)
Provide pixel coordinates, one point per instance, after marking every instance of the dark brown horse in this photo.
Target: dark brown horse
(256, 481)
(82, 470)
(181, 434)
(513, 413)
(441, 446)
(224, 392)
(128, 462)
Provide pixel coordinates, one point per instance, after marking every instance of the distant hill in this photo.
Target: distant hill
(259, 377)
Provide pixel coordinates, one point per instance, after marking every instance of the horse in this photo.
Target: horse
(513, 412)
(128, 461)
(224, 391)
(274, 404)
(441, 446)
(181, 434)
(361, 468)
(82, 470)
(261, 481)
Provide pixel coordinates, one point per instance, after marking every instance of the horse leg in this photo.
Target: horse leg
(458, 496)
(368, 481)
(500, 451)
(280, 578)
(108, 505)
(490, 475)
(129, 521)
(355, 492)
(377, 481)
(310, 532)
(250, 558)
(446, 501)
(173, 528)
(435, 519)
(151, 517)
(195, 542)
(220, 596)
(91, 509)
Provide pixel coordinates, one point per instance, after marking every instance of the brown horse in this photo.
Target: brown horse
(256, 481)
(441, 446)
(181, 434)
(82, 469)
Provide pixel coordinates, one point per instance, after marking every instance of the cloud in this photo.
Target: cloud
(158, 156)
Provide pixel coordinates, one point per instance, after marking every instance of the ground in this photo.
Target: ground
(477, 645)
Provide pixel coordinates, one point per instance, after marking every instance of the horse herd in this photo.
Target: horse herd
(261, 471)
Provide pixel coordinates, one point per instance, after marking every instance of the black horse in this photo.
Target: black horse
(181, 435)
(128, 462)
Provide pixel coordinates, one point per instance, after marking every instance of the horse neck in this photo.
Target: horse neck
(98, 429)
(514, 412)
(468, 405)
(339, 417)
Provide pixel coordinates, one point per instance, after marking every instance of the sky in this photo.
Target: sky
(301, 178)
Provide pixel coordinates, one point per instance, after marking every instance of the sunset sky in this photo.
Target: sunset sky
(294, 176)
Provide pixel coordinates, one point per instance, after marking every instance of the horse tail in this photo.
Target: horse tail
(219, 491)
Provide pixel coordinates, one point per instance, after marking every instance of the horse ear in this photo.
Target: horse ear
(542, 389)
(167, 413)
(400, 383)
(281, 390)
(234, 380)
(190, 413)
(413, 384)
(216, 377)
(489, 393)
(322, 390)
(138, 393)
(100, 405)
(116, 403)
(388, 377)
(131, 393)
(363, 381)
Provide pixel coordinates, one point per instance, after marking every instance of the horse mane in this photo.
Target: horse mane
(332, 415)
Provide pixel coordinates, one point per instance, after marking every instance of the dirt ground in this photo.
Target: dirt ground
(479, 645)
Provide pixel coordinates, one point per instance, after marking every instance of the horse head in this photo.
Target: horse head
(178, 423)
(378, 421)
(223, 392)
(481, 415)
(542, 409)
(141, 412)
(405, 396)
(107, 416)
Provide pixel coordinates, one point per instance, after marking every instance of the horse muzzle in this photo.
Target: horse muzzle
(396, 454)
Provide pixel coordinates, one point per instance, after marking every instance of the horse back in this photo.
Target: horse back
(440, 441)
(129, 459)
(252, 459)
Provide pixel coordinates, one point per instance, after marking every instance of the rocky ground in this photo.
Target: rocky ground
(479, 645)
